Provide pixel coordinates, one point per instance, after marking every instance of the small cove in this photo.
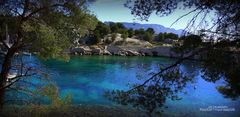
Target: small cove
(87, 78)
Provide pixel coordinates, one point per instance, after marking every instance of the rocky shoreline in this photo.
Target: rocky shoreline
(165, 51)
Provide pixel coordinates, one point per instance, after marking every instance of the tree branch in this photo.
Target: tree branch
(192, 21)
(169, 67)
(15, 79)
(223, 33)
(183, 16)
(26, 4)
(4, 43)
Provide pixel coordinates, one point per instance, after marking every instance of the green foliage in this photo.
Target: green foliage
(172, 36)
(99, 33)
(57, 104)
(113, 36)
(130, 32)
(94, 39)
(124, 35)
(147, 36)
(112, 39)
(162, 36)
(50, 30)
(116, 27)
(157, 43)
(139, 32)
(49, 43)
(150, 30)
(102, 29)
(51, 93)
(121, 26)
(189, 43)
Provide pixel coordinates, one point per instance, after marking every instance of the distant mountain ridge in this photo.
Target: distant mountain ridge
(157, 27)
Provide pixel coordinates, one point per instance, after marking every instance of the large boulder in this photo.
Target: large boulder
(106, 52)
(146, 52)
(114, 50)
(158, 51)
(81, 50)
(132, 53)
(97, 51)
(122, 53)
(163, 51)
(77, 51)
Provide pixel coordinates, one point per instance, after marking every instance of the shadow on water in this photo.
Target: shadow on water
(181, 91)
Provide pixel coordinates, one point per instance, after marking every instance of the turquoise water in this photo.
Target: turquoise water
(87, 78)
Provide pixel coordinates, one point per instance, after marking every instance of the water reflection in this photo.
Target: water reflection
(87, 78)
(152, 96)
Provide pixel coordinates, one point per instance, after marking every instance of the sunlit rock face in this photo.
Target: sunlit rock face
(121, 51)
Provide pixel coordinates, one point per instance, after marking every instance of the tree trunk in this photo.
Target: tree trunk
(1, 98)
(7, 65)
(5, 71)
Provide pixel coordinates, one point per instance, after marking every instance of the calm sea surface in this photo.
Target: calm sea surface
(87, 78)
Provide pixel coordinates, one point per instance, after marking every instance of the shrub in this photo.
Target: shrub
(147, 36)
(130, 32)
(124, 35)
(113, 36)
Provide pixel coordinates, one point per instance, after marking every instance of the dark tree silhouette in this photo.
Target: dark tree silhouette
(219, 53)
(46, 27)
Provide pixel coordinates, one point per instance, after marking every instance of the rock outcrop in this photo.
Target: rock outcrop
(132, 53)
(121, 51)
(127, 47)
(82, 50)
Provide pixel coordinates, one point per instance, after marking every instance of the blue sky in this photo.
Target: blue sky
(114, 10)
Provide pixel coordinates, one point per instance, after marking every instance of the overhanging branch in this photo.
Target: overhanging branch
(4, 44)
(169, 67)
(14, 80)
(183, 16)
